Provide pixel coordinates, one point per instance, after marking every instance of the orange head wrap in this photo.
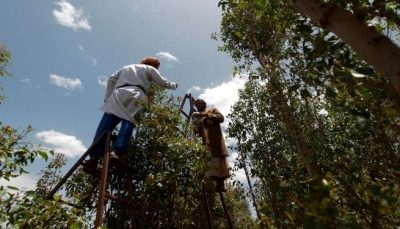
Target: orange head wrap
(151, 61)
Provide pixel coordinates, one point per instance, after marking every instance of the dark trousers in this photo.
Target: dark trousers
(108, 123)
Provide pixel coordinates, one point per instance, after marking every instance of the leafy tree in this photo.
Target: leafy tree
(60, 211)
(352, 28)
(5, 56)
(312, 102)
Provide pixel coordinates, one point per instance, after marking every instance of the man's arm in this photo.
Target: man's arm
(214, 115)
(160, 80)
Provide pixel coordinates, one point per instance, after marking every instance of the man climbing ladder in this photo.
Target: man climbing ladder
(126, 97)
(208, 127)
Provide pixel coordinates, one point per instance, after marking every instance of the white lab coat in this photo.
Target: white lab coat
(124, 98)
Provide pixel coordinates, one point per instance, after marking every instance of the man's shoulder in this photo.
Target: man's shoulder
(212, 110)
(143, 66)
(133, 66)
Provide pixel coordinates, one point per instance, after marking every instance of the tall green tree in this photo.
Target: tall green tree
(316, 102)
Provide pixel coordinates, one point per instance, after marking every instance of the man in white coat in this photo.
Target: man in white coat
(126, 97)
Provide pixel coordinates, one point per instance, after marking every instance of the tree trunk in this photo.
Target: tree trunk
(253, 197)
(307, 153)
(374, 47)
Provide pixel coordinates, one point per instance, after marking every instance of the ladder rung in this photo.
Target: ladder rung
(118, 199)
(90, 169)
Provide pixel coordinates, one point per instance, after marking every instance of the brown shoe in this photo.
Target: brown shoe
(116, 161)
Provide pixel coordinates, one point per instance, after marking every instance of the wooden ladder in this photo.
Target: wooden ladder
(101, 183)
(208, 213)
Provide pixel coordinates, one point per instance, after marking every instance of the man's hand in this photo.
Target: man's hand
(199, 115)
(202, 115)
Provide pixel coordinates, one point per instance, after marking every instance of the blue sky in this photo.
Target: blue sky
(63, 52)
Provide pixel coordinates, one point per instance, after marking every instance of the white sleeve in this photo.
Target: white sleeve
(161, 81)
(112, 80)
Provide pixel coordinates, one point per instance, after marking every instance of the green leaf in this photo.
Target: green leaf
(13, 188)
(238, 34)
(364, 91)
(56, 198)
(30, 193)
(44, 155)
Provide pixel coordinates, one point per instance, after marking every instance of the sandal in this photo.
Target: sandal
(116, 161)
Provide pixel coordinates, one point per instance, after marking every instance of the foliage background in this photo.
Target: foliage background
(316, 126)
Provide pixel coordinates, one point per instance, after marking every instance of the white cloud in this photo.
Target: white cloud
(223, 96)
(67, 83)
(24, 181)
(167, 56)
(87, 57)
(102, 80)
(193, 89)
(71, 17)
(62, 143)
(94, 61)
(25, 80)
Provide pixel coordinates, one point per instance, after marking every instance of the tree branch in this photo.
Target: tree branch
(374, 47)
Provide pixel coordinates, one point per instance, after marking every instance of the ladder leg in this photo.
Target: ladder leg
(103, 184)
(208, 213)
(72, 170)
(65, 178)
(131, 200)
(228, 218)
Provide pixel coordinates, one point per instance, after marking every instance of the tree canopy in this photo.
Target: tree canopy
(318, 122)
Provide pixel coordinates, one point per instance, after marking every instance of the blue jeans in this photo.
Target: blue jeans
(108, 123)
